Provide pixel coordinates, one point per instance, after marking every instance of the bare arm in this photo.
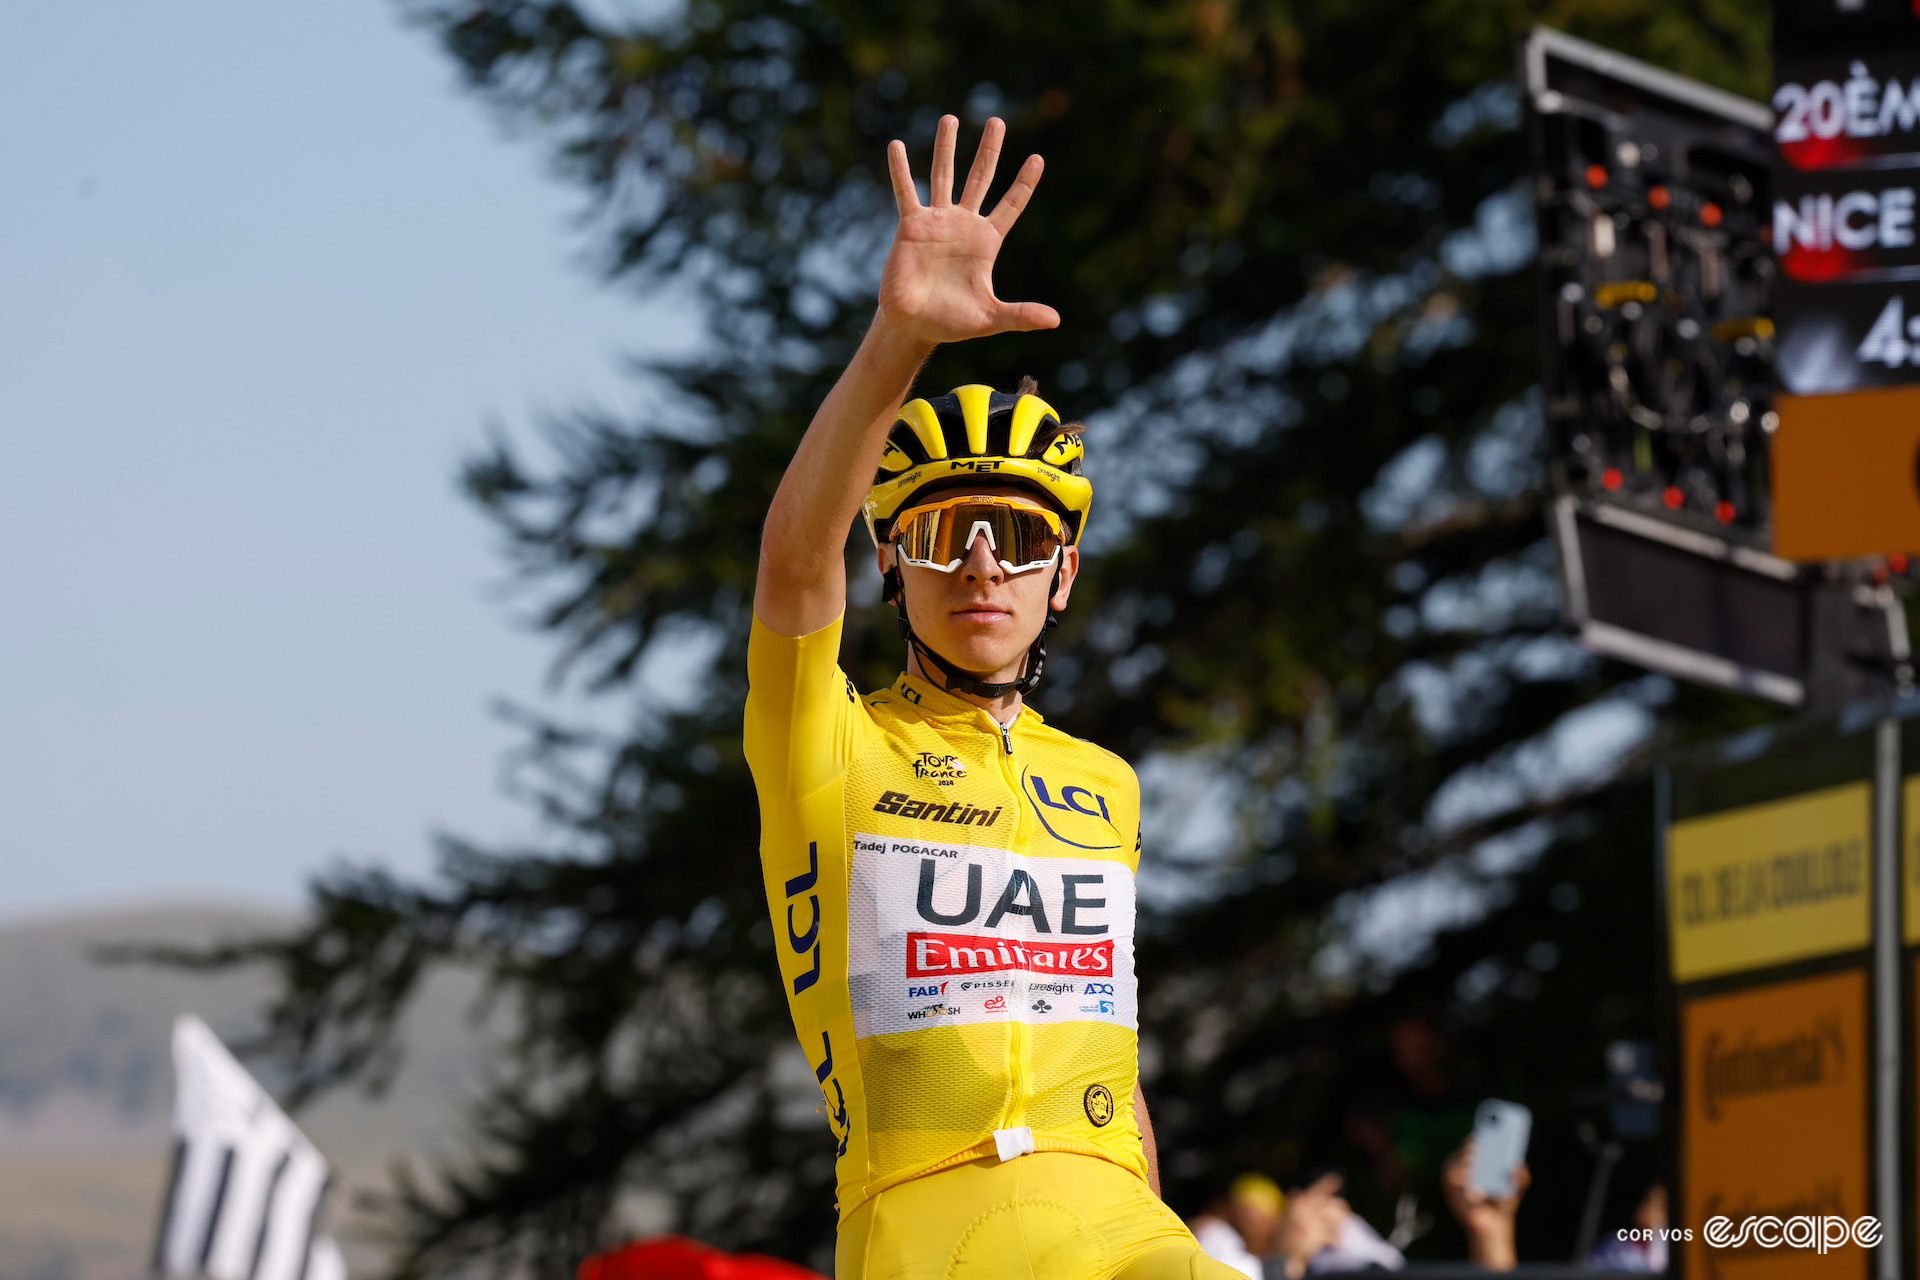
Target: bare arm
(937, 287)
(1146, 1138)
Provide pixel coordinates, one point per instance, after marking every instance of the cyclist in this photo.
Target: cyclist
(951, 879)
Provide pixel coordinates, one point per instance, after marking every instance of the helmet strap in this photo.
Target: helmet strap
(958, 679)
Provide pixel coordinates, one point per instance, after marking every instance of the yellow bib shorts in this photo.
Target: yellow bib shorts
(1048, 1216)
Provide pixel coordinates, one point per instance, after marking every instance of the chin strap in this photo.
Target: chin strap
(960, 680)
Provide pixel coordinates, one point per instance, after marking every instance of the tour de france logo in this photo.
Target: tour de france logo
(940, 769)
(1099, 1105)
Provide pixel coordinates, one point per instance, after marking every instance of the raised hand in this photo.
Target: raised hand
(938, 281)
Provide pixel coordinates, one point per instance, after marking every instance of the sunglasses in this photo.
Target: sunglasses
(939, 535)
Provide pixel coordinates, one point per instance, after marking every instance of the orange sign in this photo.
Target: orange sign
(1774, 1102)
(1844, 478)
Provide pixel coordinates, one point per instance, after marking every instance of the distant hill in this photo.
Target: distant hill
(86, 1086)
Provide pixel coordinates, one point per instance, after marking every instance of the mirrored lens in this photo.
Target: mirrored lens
(940, 538)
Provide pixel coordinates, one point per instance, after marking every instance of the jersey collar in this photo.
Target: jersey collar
(936, 703)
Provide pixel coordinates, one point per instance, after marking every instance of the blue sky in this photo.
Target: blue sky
(265, 275)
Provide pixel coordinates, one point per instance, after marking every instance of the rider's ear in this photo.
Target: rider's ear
(1069, 569)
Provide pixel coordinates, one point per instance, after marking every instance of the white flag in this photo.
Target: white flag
(247, 1188)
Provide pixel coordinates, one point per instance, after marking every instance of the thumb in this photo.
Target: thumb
(1026, 315)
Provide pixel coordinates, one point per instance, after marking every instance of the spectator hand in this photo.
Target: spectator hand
(1487, 1220)
(1309, 1223)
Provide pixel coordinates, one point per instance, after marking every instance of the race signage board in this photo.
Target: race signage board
(1775, 1121)
(1847, 474)
(1769, 884)
(1847, 306)
(1845, 232)
(1776, 860)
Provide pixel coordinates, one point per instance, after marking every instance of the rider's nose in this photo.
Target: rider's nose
(981, 564)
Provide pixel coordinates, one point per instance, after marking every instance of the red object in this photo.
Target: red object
(1723, 512)
(1710, 214)
(1596, 176)
(1880, 576)
(1610, 479)
(678, 1258)
(939, 955)
(1896, 561)
(1674, 498)
(1659, 197)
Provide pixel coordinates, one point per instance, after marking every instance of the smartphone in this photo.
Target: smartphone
(1500, 1132)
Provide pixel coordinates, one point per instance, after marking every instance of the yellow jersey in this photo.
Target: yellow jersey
(953, 908)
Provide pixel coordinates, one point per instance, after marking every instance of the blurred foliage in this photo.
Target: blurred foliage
(1399, 836)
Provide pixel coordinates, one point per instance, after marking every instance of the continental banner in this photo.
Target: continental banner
(1774, 1105)
(1770, 883)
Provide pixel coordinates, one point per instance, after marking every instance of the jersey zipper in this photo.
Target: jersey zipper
(1019, 1035)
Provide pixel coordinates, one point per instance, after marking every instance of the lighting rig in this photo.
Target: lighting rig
(1654, 198)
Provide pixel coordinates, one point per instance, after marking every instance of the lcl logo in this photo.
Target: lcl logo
(1072, 811)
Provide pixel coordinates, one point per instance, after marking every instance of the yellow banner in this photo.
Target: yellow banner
(1770, 883)
(1910, 858)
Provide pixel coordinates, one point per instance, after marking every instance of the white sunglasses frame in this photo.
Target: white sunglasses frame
(983, 527)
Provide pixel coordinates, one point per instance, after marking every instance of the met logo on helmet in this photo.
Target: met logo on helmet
(1072, 814)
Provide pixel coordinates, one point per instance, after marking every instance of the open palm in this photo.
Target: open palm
(938, 281)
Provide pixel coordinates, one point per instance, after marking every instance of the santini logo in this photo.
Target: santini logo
(959, 812)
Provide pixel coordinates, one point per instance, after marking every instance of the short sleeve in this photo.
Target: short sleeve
(804, 720)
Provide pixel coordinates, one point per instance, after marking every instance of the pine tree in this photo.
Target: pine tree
(1290, 244)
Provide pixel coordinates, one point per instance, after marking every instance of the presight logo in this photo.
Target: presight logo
(937, 768)
(959, 812)
(1072, 814)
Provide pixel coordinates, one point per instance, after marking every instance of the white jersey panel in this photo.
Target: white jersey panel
(950, 934)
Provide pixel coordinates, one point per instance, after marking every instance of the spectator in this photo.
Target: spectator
(1644, 1256)
(1487, 1220)
(1310, 1224)
(1239, 1228)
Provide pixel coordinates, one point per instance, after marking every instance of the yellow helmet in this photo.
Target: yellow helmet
(977, 433)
